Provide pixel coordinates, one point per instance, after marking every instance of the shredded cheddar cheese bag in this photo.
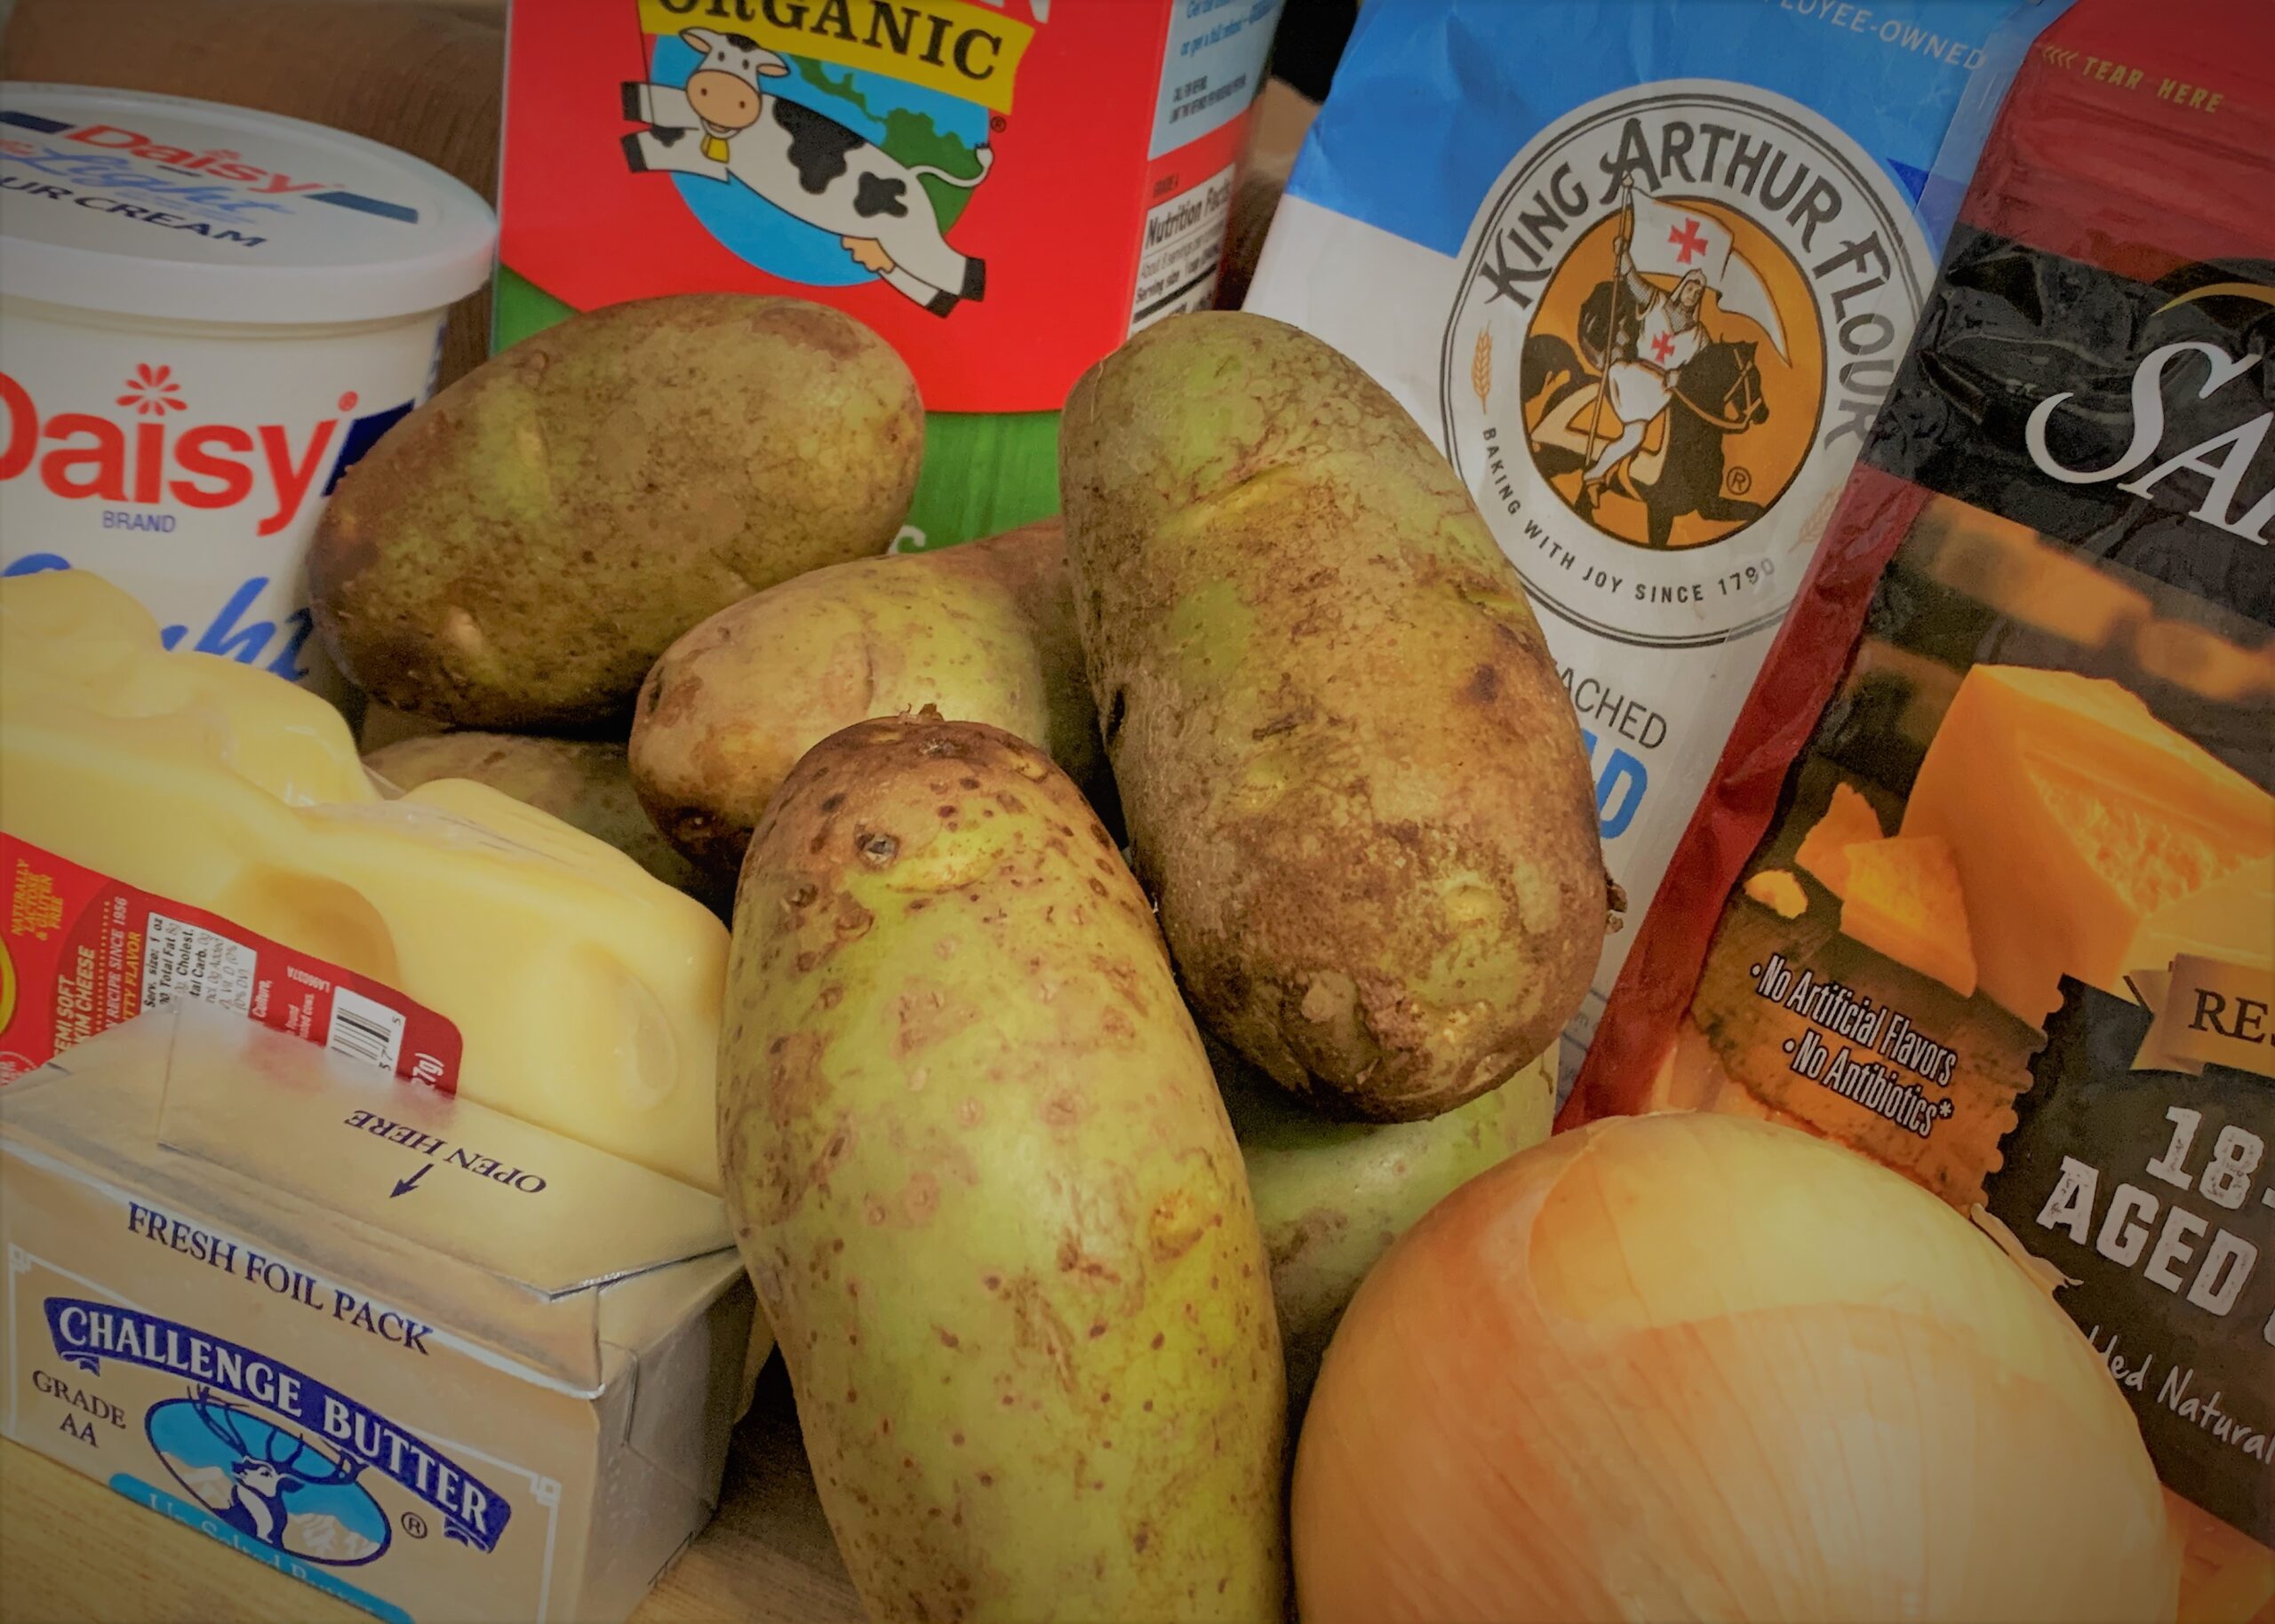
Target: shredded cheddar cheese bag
(2017, 741)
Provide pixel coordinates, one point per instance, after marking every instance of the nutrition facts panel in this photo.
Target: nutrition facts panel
(182, 960)
(1184, 238)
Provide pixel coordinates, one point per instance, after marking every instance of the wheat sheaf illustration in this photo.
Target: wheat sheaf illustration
(1480, 367)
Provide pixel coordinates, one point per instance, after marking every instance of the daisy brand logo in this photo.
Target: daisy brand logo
(153, 392)
(1680, 307)
(152, 453)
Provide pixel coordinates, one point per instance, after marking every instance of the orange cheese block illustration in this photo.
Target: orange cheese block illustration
(1779, 892)
(2090, 838)
(1849, 821)
(1903, 903)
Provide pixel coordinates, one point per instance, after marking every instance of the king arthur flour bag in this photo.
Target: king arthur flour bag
(1645, 271)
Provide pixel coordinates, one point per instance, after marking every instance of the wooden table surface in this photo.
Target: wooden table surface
(70, 1549)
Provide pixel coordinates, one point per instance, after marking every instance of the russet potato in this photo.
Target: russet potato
(1353, 781)
(983, 632)
(981, 1177)
(516, 553)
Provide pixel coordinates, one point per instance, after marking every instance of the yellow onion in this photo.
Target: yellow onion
(1695, 1366)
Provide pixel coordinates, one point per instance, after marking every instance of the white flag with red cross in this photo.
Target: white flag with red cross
(1670, 240)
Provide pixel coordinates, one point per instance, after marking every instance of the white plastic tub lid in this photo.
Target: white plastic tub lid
(160, 206)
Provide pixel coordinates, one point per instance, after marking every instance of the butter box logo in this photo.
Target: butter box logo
(1680, 308)
(277, 1459)
(268, 1482)
(831, 144)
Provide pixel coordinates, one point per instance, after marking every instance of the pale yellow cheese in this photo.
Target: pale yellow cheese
(586, 992)
(70, 642)
(2090, 838)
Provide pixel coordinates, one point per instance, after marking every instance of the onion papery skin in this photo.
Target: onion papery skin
(1693, 1366)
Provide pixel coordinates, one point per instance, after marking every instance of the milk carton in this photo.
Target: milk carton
(1004, 189)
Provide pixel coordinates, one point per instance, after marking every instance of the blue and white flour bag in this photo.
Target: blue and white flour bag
(1644, 269)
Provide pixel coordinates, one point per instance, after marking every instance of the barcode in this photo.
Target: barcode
(184, 960)
(362, 1030)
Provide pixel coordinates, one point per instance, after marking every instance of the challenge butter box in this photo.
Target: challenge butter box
(431, 1360)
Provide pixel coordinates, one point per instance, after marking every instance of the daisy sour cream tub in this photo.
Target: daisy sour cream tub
(206, 315)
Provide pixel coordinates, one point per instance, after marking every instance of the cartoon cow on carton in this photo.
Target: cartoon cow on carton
(722, 126)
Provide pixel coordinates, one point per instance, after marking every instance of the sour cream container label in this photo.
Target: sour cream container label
(206, 316)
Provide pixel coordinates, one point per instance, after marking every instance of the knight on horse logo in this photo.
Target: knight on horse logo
(1655, 396)
(1705, 291)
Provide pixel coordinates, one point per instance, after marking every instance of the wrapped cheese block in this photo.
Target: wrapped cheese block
(180, 826)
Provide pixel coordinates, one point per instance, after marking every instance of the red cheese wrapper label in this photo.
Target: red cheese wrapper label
(82, 953)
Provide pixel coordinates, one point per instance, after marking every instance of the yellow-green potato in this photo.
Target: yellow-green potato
(1353, 778)
(983, 633)
(1333, 1196)
(517, 551)
(584, 782)
(983, 1181)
